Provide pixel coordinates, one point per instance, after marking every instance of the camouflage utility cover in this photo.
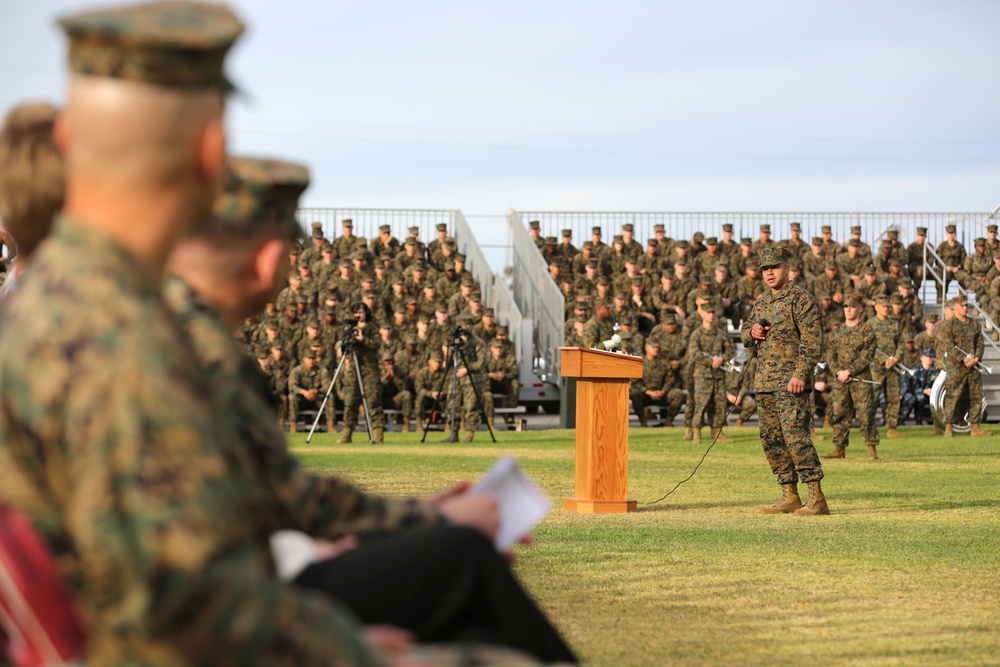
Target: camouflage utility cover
(173, 44)
(772, 256)
(258, 192)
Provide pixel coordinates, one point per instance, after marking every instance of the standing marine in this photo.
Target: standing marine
(784, 327)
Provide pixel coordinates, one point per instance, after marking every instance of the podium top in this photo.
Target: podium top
(582, 362)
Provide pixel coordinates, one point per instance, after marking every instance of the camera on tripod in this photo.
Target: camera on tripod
(350, 331)
(458, 332)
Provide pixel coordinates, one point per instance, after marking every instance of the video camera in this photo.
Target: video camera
(460, 331)
(350, 330)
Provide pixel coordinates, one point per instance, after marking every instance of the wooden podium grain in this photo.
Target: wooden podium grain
(601, 482)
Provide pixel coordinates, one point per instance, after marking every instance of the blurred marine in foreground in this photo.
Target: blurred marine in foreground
(113, 440)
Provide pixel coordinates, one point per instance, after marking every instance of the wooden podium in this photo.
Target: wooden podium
(601, 485)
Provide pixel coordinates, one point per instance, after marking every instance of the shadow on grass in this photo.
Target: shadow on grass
(948, 504)
(666, 506)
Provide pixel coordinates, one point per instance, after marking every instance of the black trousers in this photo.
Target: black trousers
(445, 584)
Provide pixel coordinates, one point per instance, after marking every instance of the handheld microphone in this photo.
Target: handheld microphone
(764, 323)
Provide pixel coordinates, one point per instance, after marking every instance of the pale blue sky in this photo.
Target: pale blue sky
(485, 106)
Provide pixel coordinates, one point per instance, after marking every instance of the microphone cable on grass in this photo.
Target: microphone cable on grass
(739, 385)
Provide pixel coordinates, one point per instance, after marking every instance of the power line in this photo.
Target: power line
(452, 130)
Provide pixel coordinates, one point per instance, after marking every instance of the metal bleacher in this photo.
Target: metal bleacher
(539, 297)
(495, 292)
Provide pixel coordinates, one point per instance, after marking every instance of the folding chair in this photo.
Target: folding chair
(40, 623)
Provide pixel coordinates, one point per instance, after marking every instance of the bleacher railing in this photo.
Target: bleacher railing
(368, 220)
(475, 260)
(932, 264)
(537, 296)
(509, 314)
(495, 293)
(680, 225)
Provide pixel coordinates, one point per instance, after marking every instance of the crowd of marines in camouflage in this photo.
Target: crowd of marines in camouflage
(657, 296)
(415, 295)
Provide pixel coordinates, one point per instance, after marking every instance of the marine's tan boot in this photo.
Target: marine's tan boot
(937, 429)
(789, 502)
(817, 502)
(891, 432)
(949, 432)
(331, 427)
(872, 453)
(739, 422)
(837, 453)
(977, 432)
(406, 426)
(469, 435)
(688, 432)
(696, 436)
(420, 425)
(377, 435)
(293, 427)
(816, 436)
(826, 419)
(451, 437)
(717, 433)
(346, 438)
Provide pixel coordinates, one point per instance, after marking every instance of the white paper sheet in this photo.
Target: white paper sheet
(522, 503)
(293, 552)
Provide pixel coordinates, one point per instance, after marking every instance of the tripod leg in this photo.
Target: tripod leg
(453, 427)
(364, 398)
(479, 395)
(326, 397)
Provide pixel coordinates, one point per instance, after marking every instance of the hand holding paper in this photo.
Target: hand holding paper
(522, 504)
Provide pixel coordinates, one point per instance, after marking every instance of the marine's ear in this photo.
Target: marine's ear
(270, 265)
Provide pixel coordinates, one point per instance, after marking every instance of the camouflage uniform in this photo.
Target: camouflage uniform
(278, 372)
(888, 339)
(396, 393)
(596, 332)
(915, 260)
(952, 254)
(302, 378)
(709, 383)
(114, 397)
(474, 353)
(657, 375)
(961, 380)
(320, 506)
(509, 385)
(425, 383)
(812, 264)
(329, 508)
(974, 270)
(112, 441)
(740, 385)
(791, 349)
(367, 350)
(853, 349)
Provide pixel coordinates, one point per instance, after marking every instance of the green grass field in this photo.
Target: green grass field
(906, 571)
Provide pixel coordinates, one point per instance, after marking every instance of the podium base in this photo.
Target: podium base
(585, 506)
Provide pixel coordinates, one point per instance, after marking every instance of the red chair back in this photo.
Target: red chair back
(39, 616)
